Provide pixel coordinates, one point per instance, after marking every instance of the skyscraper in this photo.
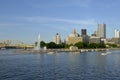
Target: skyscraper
(57, 39)
(117, 33)
(83, 32)
(73, 38)
(101, 31)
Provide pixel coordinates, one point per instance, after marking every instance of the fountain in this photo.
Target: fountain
(38, 44)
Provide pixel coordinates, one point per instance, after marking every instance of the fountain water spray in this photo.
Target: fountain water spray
(38, 44)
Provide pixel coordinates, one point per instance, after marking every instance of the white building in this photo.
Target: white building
(57, 39)
(117, 33)
(101, 31)
(73, 38)
(74, 34)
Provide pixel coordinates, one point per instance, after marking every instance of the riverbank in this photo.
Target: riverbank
(64, 50)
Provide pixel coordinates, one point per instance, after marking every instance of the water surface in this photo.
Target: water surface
(59, 66)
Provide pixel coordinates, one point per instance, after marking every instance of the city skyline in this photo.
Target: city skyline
(23, 20)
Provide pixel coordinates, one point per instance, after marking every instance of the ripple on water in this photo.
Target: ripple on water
(60, 66)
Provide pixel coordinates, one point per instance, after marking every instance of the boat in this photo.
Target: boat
(82, 50)
(103, 54)
(51, 52)
(106, 53)
(3, 48)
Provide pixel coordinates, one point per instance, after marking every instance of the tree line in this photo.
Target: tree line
(80, 45)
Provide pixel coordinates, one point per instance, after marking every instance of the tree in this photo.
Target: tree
(93, 45)
(112, 45)
(42, 44)
(102, 45)
(79, 45)
(89, 45)
(51, 45)
(67, 46)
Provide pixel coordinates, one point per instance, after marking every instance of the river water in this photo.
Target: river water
(59, 66)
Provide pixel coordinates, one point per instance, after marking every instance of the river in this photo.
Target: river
(59, 66)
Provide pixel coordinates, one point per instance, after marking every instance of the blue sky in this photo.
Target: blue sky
(24, 19)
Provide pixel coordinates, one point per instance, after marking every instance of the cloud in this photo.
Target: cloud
(81, 22)
(50, 20)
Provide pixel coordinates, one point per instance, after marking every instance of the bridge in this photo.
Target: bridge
(14, 44)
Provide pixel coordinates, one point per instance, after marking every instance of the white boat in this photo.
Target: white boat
(51, 52)
(103, 54)
(82, 50)
(3, 48)
(92, 50)
(106, 53)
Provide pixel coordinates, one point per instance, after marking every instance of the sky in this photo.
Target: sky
(23, 20)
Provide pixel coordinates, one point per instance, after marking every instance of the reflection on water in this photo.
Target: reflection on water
(59, 66)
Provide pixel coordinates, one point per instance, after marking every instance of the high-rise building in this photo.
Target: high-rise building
(117, 33)
(101, 31)
(73, 38)
(85, 37)
(57, 39)
(94, 39)
(74, 33)
(83, 32)
(116, 40)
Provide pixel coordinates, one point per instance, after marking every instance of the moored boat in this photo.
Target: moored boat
(106, 53)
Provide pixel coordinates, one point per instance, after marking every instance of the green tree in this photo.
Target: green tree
(89, 45)
(51, 45)
(79, 45)
(93, 45)
(67, 46)
(62, 45)
(102, 46)
(42, 44)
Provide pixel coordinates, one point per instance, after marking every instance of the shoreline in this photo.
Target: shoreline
(64, 50)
